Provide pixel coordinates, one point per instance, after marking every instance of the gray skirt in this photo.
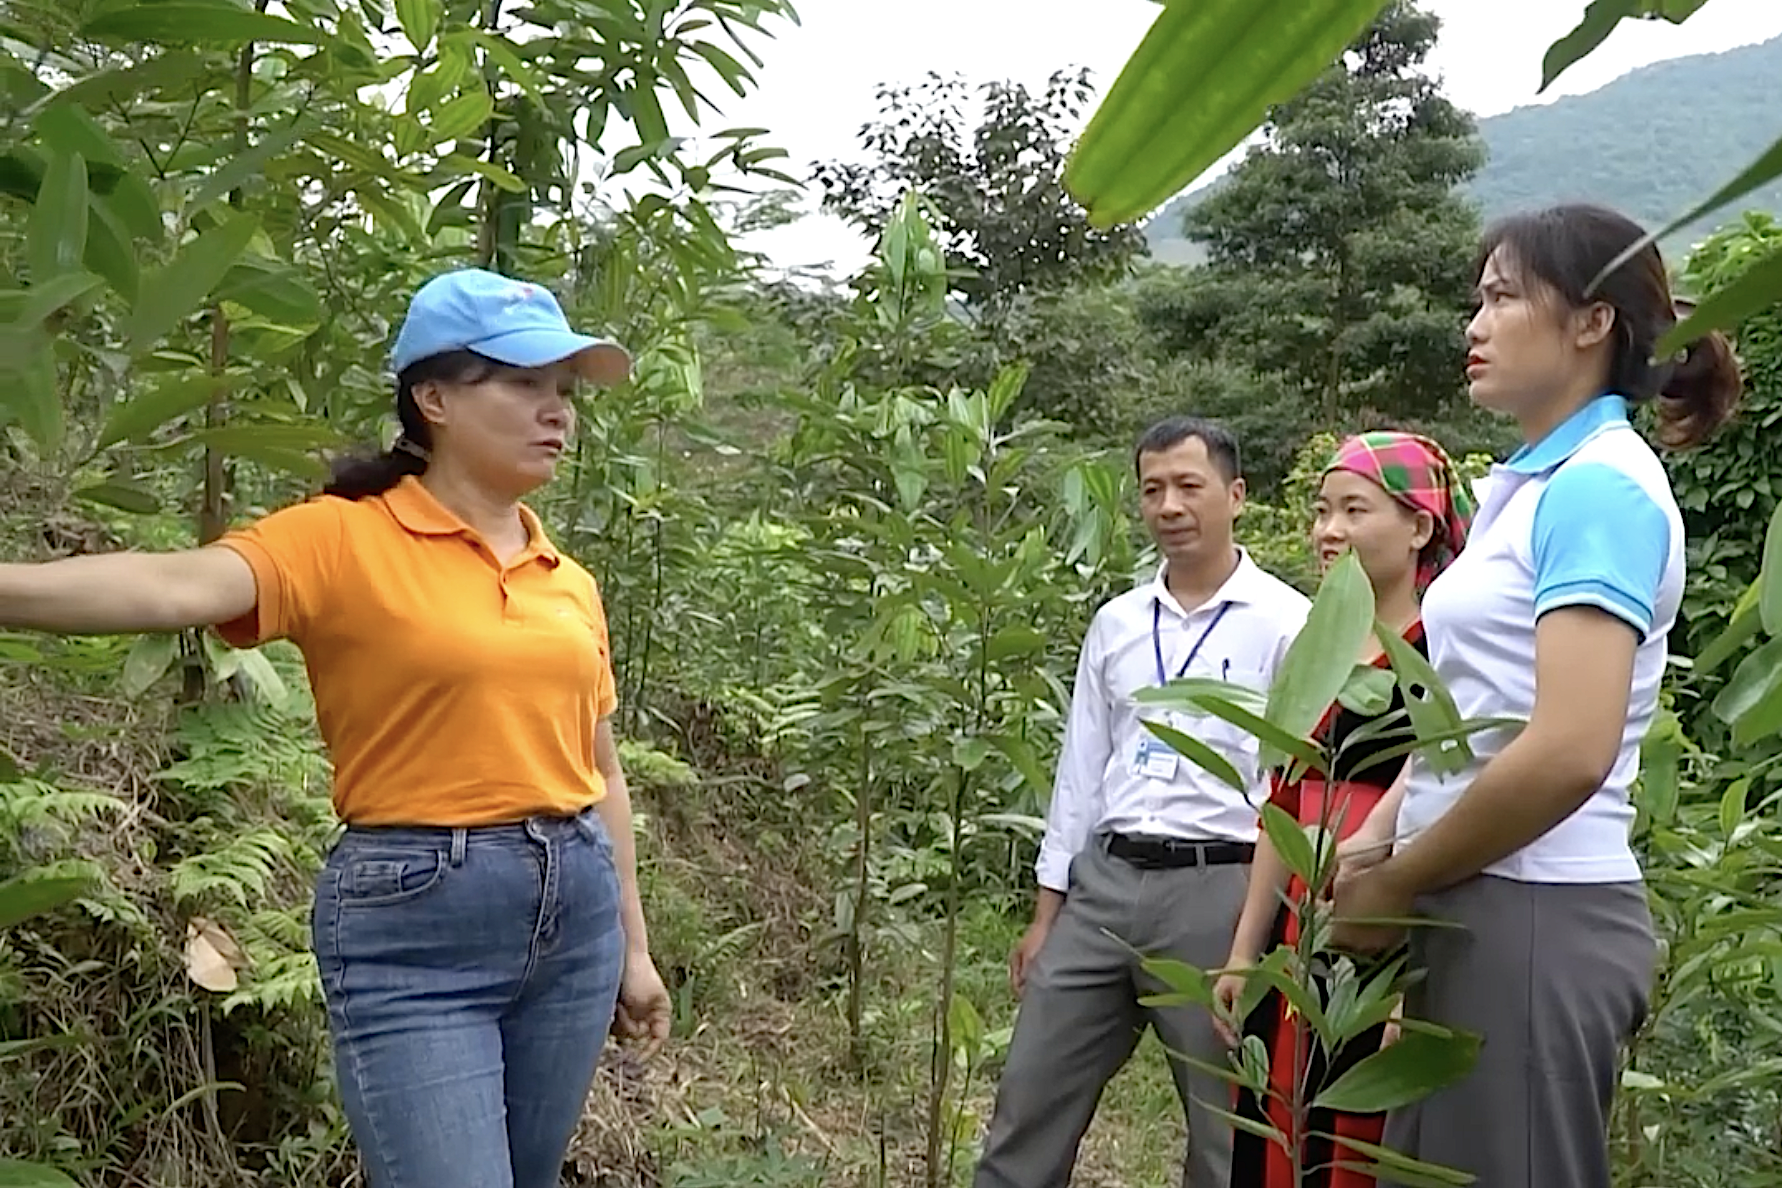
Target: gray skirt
(1556, 978)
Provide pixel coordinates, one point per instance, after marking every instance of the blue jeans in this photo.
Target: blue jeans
(470, 977)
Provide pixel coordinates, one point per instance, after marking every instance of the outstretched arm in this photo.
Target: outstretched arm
(120, 593)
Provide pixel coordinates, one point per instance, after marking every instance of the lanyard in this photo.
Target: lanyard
(1157, 640)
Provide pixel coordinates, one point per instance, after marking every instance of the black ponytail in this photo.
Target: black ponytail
(359, 476)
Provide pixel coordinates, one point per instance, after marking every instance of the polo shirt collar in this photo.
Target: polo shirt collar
(415, 508)
(1568, 437)
(1243, 586)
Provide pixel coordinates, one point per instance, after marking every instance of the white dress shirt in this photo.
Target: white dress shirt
(1111, 777)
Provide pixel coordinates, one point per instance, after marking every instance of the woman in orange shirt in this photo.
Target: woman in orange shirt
(479, 919)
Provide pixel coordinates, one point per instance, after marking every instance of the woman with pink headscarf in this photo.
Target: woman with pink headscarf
(1395, 501)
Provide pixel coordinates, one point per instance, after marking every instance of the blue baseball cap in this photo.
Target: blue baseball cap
(510, 321)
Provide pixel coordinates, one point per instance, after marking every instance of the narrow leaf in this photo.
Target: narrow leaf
(1322, 655)
(1401, 1073)
(56, 234)
(1770, 577)
(29, 386)
(1759, 288)
(52, 296)
(1402, 1168)
(1291, 843)
(150, 409)
(273, 291)
(177, 24)
(1599, 20)
(125, 497)
(1202, 79)
(420, 21)
(178, 289)
(1732, 807)
(1199, 754)
(462, 116)
(251, 164)
(1742, 628)
(502, 53)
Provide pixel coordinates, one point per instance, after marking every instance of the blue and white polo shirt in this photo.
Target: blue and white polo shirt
(1583, 517)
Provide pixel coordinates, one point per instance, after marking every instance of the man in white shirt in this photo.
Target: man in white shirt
(1141, 843)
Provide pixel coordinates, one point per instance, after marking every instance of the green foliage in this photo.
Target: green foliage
(1339, 255)
(1203, 77)
(847, 541)
(1319, 666)
(1191, 88)
(1000, 211)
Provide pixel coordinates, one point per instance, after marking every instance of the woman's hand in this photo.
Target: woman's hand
(1226, 993)
(644, 1012)
(1375, 893)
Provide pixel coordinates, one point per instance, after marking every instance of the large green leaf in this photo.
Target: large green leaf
(24, 897)
(1322, 655)
(242, 167)
(173, 292)
(56, 235)
(1291, 843)
(1757, 680)
(1241, 706)
(1757, 289)
(69, 128)
(461, 116)
(1599, 21)
(28, 384)
(120, 87)
(184, 24)
(272, 290)
(16, 1173)
(1401, 1073)
(41, 301)
(420, 21)
(1760, 172)
(1202, 79)
(148, 661)
(1743, 626)
(124, 496)
(173, 396)
(507, 58)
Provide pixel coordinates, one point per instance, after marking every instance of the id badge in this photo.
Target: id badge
(1155, 759)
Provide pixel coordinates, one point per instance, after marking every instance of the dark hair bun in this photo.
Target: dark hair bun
(1700, 394)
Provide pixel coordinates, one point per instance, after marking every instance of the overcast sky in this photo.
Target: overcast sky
(818, 84)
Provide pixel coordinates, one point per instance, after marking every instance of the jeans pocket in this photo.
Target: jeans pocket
(382, 879)
(593, 827)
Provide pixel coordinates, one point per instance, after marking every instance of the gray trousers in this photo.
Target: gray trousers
(1556, 978)
(1080, 1018)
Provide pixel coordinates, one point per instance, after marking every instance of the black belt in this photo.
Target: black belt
(1173, 853)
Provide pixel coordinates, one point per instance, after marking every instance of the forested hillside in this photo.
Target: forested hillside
(847, 539)
(1649, 143)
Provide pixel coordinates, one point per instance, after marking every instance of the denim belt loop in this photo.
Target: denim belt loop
(460, 838)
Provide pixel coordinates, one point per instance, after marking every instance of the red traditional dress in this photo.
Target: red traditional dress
(1342, 806)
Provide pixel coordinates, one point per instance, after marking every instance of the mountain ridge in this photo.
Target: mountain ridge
(1696, 121)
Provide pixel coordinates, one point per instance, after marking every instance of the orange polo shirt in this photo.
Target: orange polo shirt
(450, 689)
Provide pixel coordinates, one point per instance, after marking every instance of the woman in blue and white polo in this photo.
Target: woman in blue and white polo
(1556, 613)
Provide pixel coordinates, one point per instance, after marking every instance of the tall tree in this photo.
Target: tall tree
(1001, 212)
(1339, 253)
